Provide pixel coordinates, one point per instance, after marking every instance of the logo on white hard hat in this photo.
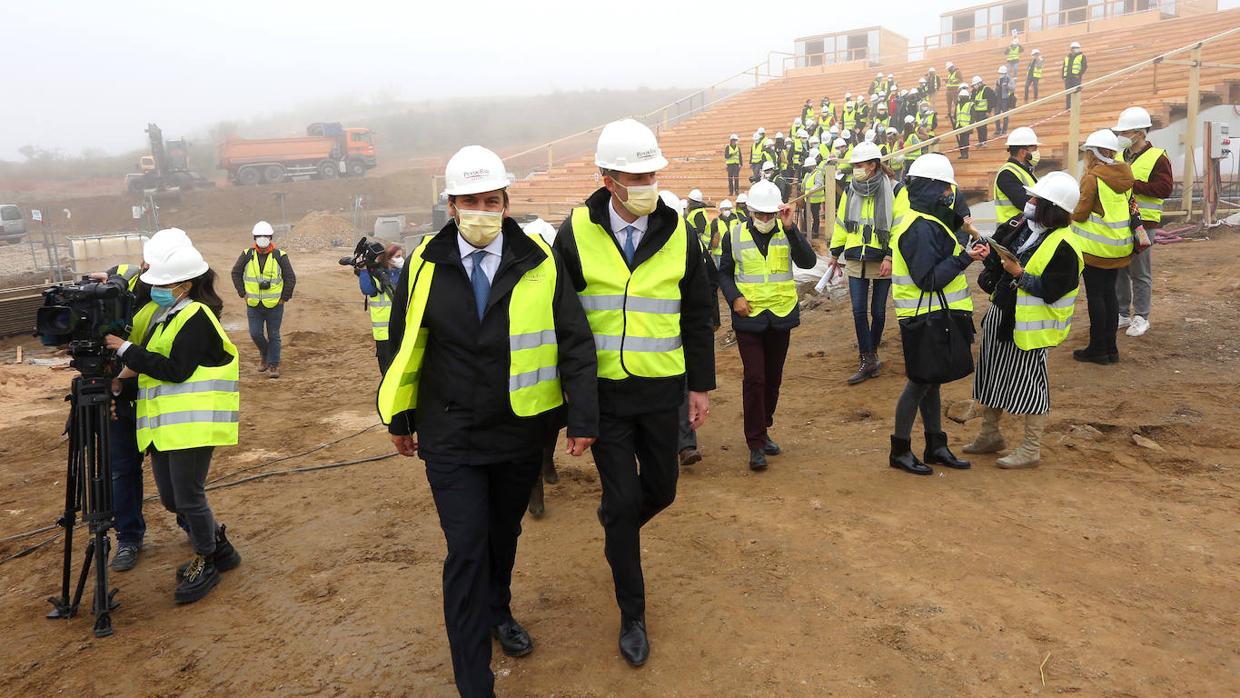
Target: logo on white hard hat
(647, 154)
(480, 173)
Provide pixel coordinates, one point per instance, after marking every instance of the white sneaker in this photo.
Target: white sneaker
(1123, 321)
(1138, 327)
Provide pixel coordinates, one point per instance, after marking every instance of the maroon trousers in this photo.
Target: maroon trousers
(762, 355)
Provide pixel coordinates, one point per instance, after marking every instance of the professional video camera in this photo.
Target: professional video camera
(79, 315)
(365, 257)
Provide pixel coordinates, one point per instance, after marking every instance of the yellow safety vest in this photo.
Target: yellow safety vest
(980, 103)
(1150, 207)
(1037, 68)
(764, 280)
(380, 306)
(141, 323)
(254, 295)
(533, 350)
(964, 113)
(130, 274)
(1075, 61)
(813, 179)
(911, 141)
(635, 315)
(732, 155)
(1013, 52)
(953, 78)
(718, 226)
(908, 298)
(850, 117)
(202, 411)
(1005, 210)
(1108, 236)
(1040, 324)
(756, 152)
(930, 120)
(853, 239)
(698, 221)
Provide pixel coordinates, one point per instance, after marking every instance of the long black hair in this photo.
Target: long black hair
(1050, 215)
(203, 291)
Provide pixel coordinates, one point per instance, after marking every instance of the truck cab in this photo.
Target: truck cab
(361, 151)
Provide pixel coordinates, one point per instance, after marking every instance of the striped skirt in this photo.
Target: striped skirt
(1008, 377)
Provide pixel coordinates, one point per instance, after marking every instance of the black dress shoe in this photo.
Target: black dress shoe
(1113, 357)
(937, 453)
(634, 645)
(514, 640)
(1086, 356)
(902, 457)
(757, 459)
(771, 448)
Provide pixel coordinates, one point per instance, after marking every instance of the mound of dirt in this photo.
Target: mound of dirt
(318, 230)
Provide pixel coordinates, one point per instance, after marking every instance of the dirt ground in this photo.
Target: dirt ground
(1112, 570)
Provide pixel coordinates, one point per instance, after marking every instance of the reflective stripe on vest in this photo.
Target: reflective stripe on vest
(964, 114)
(908, 298)
(1040, 324)
(1076, 64)
(1013, 53)
(732, 154)
(850, 117)
(980, 103)
(1005, 210)
(764, 280)
(953, 78)
(1037, 68)
(254, 295)
(909, 142)
(533, 352)
(201, 411)
(861, 235)
(635, 315)
(1108, 236)
(814, 178)
(1149, 207)
(756, 152)
(380, 306)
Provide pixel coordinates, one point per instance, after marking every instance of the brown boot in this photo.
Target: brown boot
(273, 371)
(989, 439)
(875, 364)
(263, 366)
(1029, 452)
(865, 370)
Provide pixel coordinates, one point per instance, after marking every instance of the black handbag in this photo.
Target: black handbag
(938, 345)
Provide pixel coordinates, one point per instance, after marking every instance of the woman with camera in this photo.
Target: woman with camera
(379, 300)
(1033, 275)
(932, 300)
(187, 401)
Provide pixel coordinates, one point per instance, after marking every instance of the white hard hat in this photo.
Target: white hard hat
(920, 80)
(741, 198)
(1059, 188)
(1037, 51)
(1022, 136)
(880, 74)
(882, 106)
(964, 92)
(779, 135)
(934, 166)
(696, 195)
(1133, 118)
(869, 135)
(176, 264)
(629, 146)
(909, 119)
(1003, 70)
(814, 139)
(802, 133)
(834, 129)
(756, 136)
(811, 160)
(845, 134)
(762, 130)
(670, 199)
(159, 243)
(891, 75)
(764, 197)
(768, 165)
(892, 131)
(847, 95)
(262, 229)
(1103, 138)
(977, 79)
(1075, 44)
(797, 121)
(839, 143)
(733, 137)
(933, 70)
(474, 170)
(950, 65)
(725, 204)
(873, 98)
(864, 152)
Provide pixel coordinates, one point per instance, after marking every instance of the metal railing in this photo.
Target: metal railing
(1087, 15)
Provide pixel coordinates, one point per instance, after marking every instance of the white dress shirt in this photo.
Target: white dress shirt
(490, 262)
(618, 225)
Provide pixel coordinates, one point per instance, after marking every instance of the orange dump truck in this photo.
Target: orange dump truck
(327, 151)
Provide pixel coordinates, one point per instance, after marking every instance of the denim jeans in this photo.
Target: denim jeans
(268, 342)
(869, 326)
(126, 462)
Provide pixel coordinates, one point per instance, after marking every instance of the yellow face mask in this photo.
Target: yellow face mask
(479, 228)
(642, 200)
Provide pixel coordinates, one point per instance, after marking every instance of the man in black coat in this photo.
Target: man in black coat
(481, 458)
(630, 230)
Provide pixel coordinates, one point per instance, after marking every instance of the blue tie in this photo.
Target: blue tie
(628, 243)
(482, 285)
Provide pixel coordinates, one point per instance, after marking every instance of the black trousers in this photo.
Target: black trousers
(815, 212)
(963, 141)
(480, 509)
(981, 130)
(1069, 83)
(385, 352)
(1103, 303)
(734, 179)
(637, 465)
(1031, 82)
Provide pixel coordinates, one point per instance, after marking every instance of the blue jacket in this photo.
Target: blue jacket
(367, 284)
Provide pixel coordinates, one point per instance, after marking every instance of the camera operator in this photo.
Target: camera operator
(187, 400)
(380, 302)
(264, 277)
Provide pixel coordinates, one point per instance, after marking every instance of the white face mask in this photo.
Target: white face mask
(1125, 143)
(765, 226)
(479, 228)
(262, 241)
(642, 200)
(398, 262)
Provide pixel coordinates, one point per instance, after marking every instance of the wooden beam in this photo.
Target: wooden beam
(1074, 135)
(1189, 174)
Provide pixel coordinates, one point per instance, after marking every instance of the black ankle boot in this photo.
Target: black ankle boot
(902, 457)
(938, 453)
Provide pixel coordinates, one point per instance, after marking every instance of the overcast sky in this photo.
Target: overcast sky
(92, 73)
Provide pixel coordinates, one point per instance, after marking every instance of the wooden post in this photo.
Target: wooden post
(1190, 130)
(1074, 135)
(1207, 167)
(550, 157)
(434, 190)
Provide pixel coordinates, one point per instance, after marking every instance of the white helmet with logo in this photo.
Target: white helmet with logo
(474, 170)
(629, 146)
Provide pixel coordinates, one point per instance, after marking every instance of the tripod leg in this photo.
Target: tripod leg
(81, 584)
(61, 608)
(103, 602)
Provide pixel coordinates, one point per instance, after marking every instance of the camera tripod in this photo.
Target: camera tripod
(88, 489)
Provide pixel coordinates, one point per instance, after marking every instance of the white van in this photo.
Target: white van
(12, 224)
